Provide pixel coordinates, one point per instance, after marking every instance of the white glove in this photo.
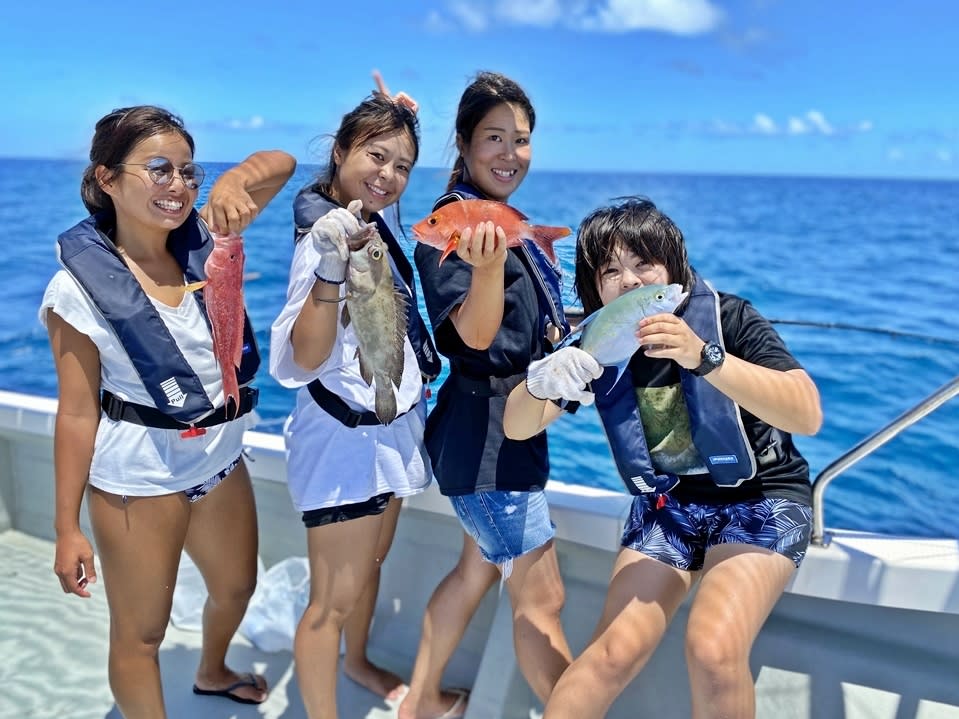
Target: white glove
(329, 235)
(563, 375)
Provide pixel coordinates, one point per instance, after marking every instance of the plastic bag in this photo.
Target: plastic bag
(281, 596)
(189, 594)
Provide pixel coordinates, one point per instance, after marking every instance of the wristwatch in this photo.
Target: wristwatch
(712, 356)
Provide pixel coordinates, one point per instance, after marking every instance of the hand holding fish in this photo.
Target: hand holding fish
(330, 234)
(564, 374)
(668, 336)
(483, 246)
(229, 208)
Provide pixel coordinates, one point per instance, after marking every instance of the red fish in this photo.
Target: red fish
(223, 296)
(443, 227)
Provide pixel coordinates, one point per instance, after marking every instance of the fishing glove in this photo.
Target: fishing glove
(563, 375)
(329, 235)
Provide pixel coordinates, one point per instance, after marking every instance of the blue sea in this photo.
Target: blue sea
(880, 255)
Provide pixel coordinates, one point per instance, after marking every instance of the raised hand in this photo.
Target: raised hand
(401, 98)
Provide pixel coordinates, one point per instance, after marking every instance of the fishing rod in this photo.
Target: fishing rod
(863, 328)
(574, 314)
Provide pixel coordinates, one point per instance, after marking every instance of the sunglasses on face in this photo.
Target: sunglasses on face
(161, 171)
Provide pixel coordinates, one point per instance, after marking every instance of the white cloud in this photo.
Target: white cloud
(255, 122)
(678, 17)
(541, 13)
(811, 123)
(796, 126)
(764, 125)
(818, 121)
(473, 18)
(895, 154)
(944, 156)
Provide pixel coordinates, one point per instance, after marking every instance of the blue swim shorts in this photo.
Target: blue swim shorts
(680, 533)
(505, 525)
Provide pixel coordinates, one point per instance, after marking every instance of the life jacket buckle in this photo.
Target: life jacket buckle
(193, 431)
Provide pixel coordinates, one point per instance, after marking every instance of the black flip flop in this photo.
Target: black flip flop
(248, 681)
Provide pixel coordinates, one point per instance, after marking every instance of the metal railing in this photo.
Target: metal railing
(867, 446)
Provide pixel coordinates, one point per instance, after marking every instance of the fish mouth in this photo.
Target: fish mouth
(359, 240)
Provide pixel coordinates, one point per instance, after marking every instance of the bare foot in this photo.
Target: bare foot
(243, 688)
(381, 682)
(449, 704)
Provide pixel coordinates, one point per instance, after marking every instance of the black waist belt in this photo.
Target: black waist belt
(487, 386)
(334, 406)
(117, 410)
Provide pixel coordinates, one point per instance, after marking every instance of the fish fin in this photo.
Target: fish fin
(232, 407)
(345, 316)
(620, 368)
(450, 248)
(194, 286)
(365, 371)
(572, 337)
(385, 403)
(544, 236)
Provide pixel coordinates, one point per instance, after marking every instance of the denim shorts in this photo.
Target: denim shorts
(679, 533)
(505, 525)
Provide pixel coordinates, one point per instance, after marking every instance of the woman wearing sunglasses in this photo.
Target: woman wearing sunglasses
(140, 428)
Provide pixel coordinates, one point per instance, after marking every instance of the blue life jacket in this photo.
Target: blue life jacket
(547, 277)
(310, 205)
(89, 255)
(715, 421)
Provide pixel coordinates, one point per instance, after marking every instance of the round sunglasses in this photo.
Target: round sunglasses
(162, 171)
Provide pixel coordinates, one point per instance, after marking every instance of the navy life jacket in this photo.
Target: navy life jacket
(89, 255)
(715, 421)
(547, 277)
(310, 205)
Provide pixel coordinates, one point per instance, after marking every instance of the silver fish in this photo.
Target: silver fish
(609, 333)
(378, 313)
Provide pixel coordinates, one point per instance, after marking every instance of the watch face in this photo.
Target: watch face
(713, 353)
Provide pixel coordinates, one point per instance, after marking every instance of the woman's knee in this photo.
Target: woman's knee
(712, 651)
(318, 616)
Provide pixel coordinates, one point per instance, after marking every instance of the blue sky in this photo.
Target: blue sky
(809, 87)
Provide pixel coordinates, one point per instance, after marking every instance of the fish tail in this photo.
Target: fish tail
(544, 236)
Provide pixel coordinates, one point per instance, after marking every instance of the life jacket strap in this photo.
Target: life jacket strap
(121, 410)
(333, 405)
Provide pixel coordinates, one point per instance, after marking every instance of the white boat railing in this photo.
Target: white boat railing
(867, 446)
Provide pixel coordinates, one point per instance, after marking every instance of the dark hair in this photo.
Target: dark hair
(638, 225)
(376, 115)
(488, 90)
(114, 138)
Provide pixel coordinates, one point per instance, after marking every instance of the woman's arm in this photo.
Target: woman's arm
(241, 193)
(527, 416)
(478, 318)
(788, 400)
(77, 364)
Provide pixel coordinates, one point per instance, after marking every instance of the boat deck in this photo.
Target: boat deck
(55, 655)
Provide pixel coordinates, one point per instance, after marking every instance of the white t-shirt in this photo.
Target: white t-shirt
(328, 463)
(130, 459)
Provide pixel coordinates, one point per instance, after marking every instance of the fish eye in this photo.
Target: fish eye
(660, 295)
(376, 253)
(432, 221)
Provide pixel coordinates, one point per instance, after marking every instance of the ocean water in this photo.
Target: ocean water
(879, 255)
